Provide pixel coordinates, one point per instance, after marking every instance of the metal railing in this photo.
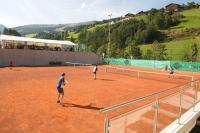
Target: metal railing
(139, 73)
(183, 88)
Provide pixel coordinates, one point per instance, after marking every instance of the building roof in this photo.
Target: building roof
(130, 14)
(140, 13)
(36, 40)
(172, 4)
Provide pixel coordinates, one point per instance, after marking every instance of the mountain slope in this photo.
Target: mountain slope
(39, 28)
(191, 20)
(178, 39)
(176, 49)
(182, 36)
(2, 27)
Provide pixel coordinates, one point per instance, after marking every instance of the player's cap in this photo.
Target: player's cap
(63, 74)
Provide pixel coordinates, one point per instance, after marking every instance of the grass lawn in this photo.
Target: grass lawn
(73, 34)
(177, 49)
(191, 20)
(30, 35)
(144, 17)
(96, 26)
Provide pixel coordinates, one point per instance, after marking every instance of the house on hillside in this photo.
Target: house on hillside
(141, 13)
(173, 6)
(129, 15)
(197, 5)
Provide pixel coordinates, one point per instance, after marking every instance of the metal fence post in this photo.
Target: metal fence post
(106, 124)
(155, 115)
(197, 83)
(195, 96)
(180, 105)
(192, 83)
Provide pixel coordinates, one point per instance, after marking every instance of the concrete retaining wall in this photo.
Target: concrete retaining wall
(26, 57)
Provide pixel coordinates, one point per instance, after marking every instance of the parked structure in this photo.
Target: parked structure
(14, 42)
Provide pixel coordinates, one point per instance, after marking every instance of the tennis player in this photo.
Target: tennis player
(11, 64)
(171, 72)
(61, 82)
(95, 69)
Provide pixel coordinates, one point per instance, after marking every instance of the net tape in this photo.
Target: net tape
(148, 75)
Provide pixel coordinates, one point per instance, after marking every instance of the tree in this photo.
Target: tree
(176, 17)
(101, 50)
(148, 54)
(66, 35)
(186, 56)
(126, 35)
(11, 32)
(112, 50)
(159, 20)
(194, 52)
(153, 11)
(136, 52)
(159, 51)
(128, 51)
(191, 5)
(132, 51)
(72, 39)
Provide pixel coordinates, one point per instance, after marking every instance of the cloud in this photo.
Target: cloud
(70, 11)
(83, 5)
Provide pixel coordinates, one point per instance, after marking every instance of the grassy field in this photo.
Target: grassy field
(96, 26)
(177, 49)
(73, 35)
(30, 35)
(191, 20)
(106, 24)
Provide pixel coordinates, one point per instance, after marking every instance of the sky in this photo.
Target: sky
(22, 12)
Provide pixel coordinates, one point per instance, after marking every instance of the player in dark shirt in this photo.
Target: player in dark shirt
(61, 82)
(11, 64)
(171, 73)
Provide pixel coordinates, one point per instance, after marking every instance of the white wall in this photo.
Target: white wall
(24, 57)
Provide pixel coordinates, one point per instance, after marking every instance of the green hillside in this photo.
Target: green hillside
(30, 35)
(177, 49)
(39, 28)
(191, 20)
(182, 40)
(73, 35)
(115, 22)
(159, 25)
(127, 34)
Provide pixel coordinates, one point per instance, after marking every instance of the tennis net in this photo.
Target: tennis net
(76, 64)
(165, 77)
(79, 65)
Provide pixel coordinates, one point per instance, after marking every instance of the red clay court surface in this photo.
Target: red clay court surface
(28, 98)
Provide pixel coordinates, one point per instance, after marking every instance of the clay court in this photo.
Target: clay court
(28, 97)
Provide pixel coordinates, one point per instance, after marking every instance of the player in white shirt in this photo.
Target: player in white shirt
(95, 69)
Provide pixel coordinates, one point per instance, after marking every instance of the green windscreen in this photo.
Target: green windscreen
(178, 65)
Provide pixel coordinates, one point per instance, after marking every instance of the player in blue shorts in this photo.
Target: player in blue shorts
(61, 82)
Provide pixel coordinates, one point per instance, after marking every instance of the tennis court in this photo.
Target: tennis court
(28, 96)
